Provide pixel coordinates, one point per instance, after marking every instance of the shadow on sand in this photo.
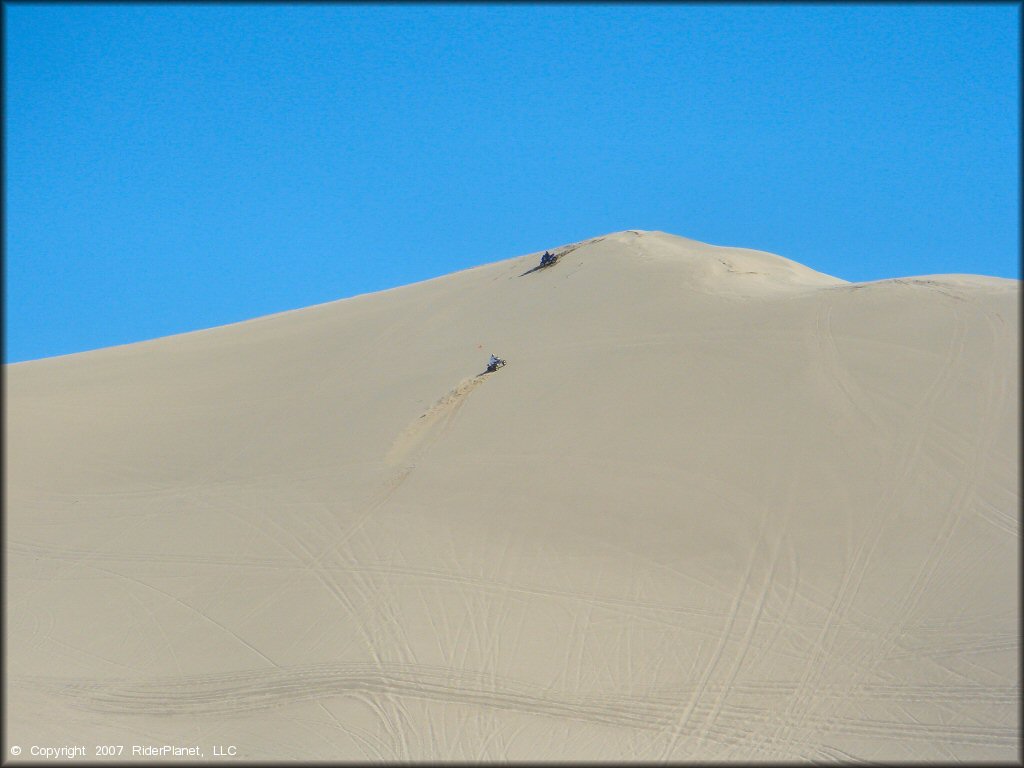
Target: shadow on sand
(541, 266)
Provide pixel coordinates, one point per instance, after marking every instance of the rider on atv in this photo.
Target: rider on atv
(494, 363)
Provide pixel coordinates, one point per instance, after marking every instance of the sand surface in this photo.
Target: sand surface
(717, 506)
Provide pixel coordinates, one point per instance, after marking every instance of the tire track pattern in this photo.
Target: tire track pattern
(653, 710)
(432, 424)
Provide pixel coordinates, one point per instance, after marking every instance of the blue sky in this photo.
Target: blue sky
(170, 168)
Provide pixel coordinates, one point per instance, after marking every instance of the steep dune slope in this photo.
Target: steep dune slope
(717, 506)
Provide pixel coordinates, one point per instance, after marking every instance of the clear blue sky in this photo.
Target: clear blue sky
(170, 168)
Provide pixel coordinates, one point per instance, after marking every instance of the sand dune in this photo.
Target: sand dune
(717, 506)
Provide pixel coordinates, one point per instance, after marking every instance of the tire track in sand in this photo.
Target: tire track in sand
(889, 504)
(960, 505)
(410, 443)
(736, 724)
(831, 361)
(431, 425)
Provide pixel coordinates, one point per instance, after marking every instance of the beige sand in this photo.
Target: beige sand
(717, 506)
